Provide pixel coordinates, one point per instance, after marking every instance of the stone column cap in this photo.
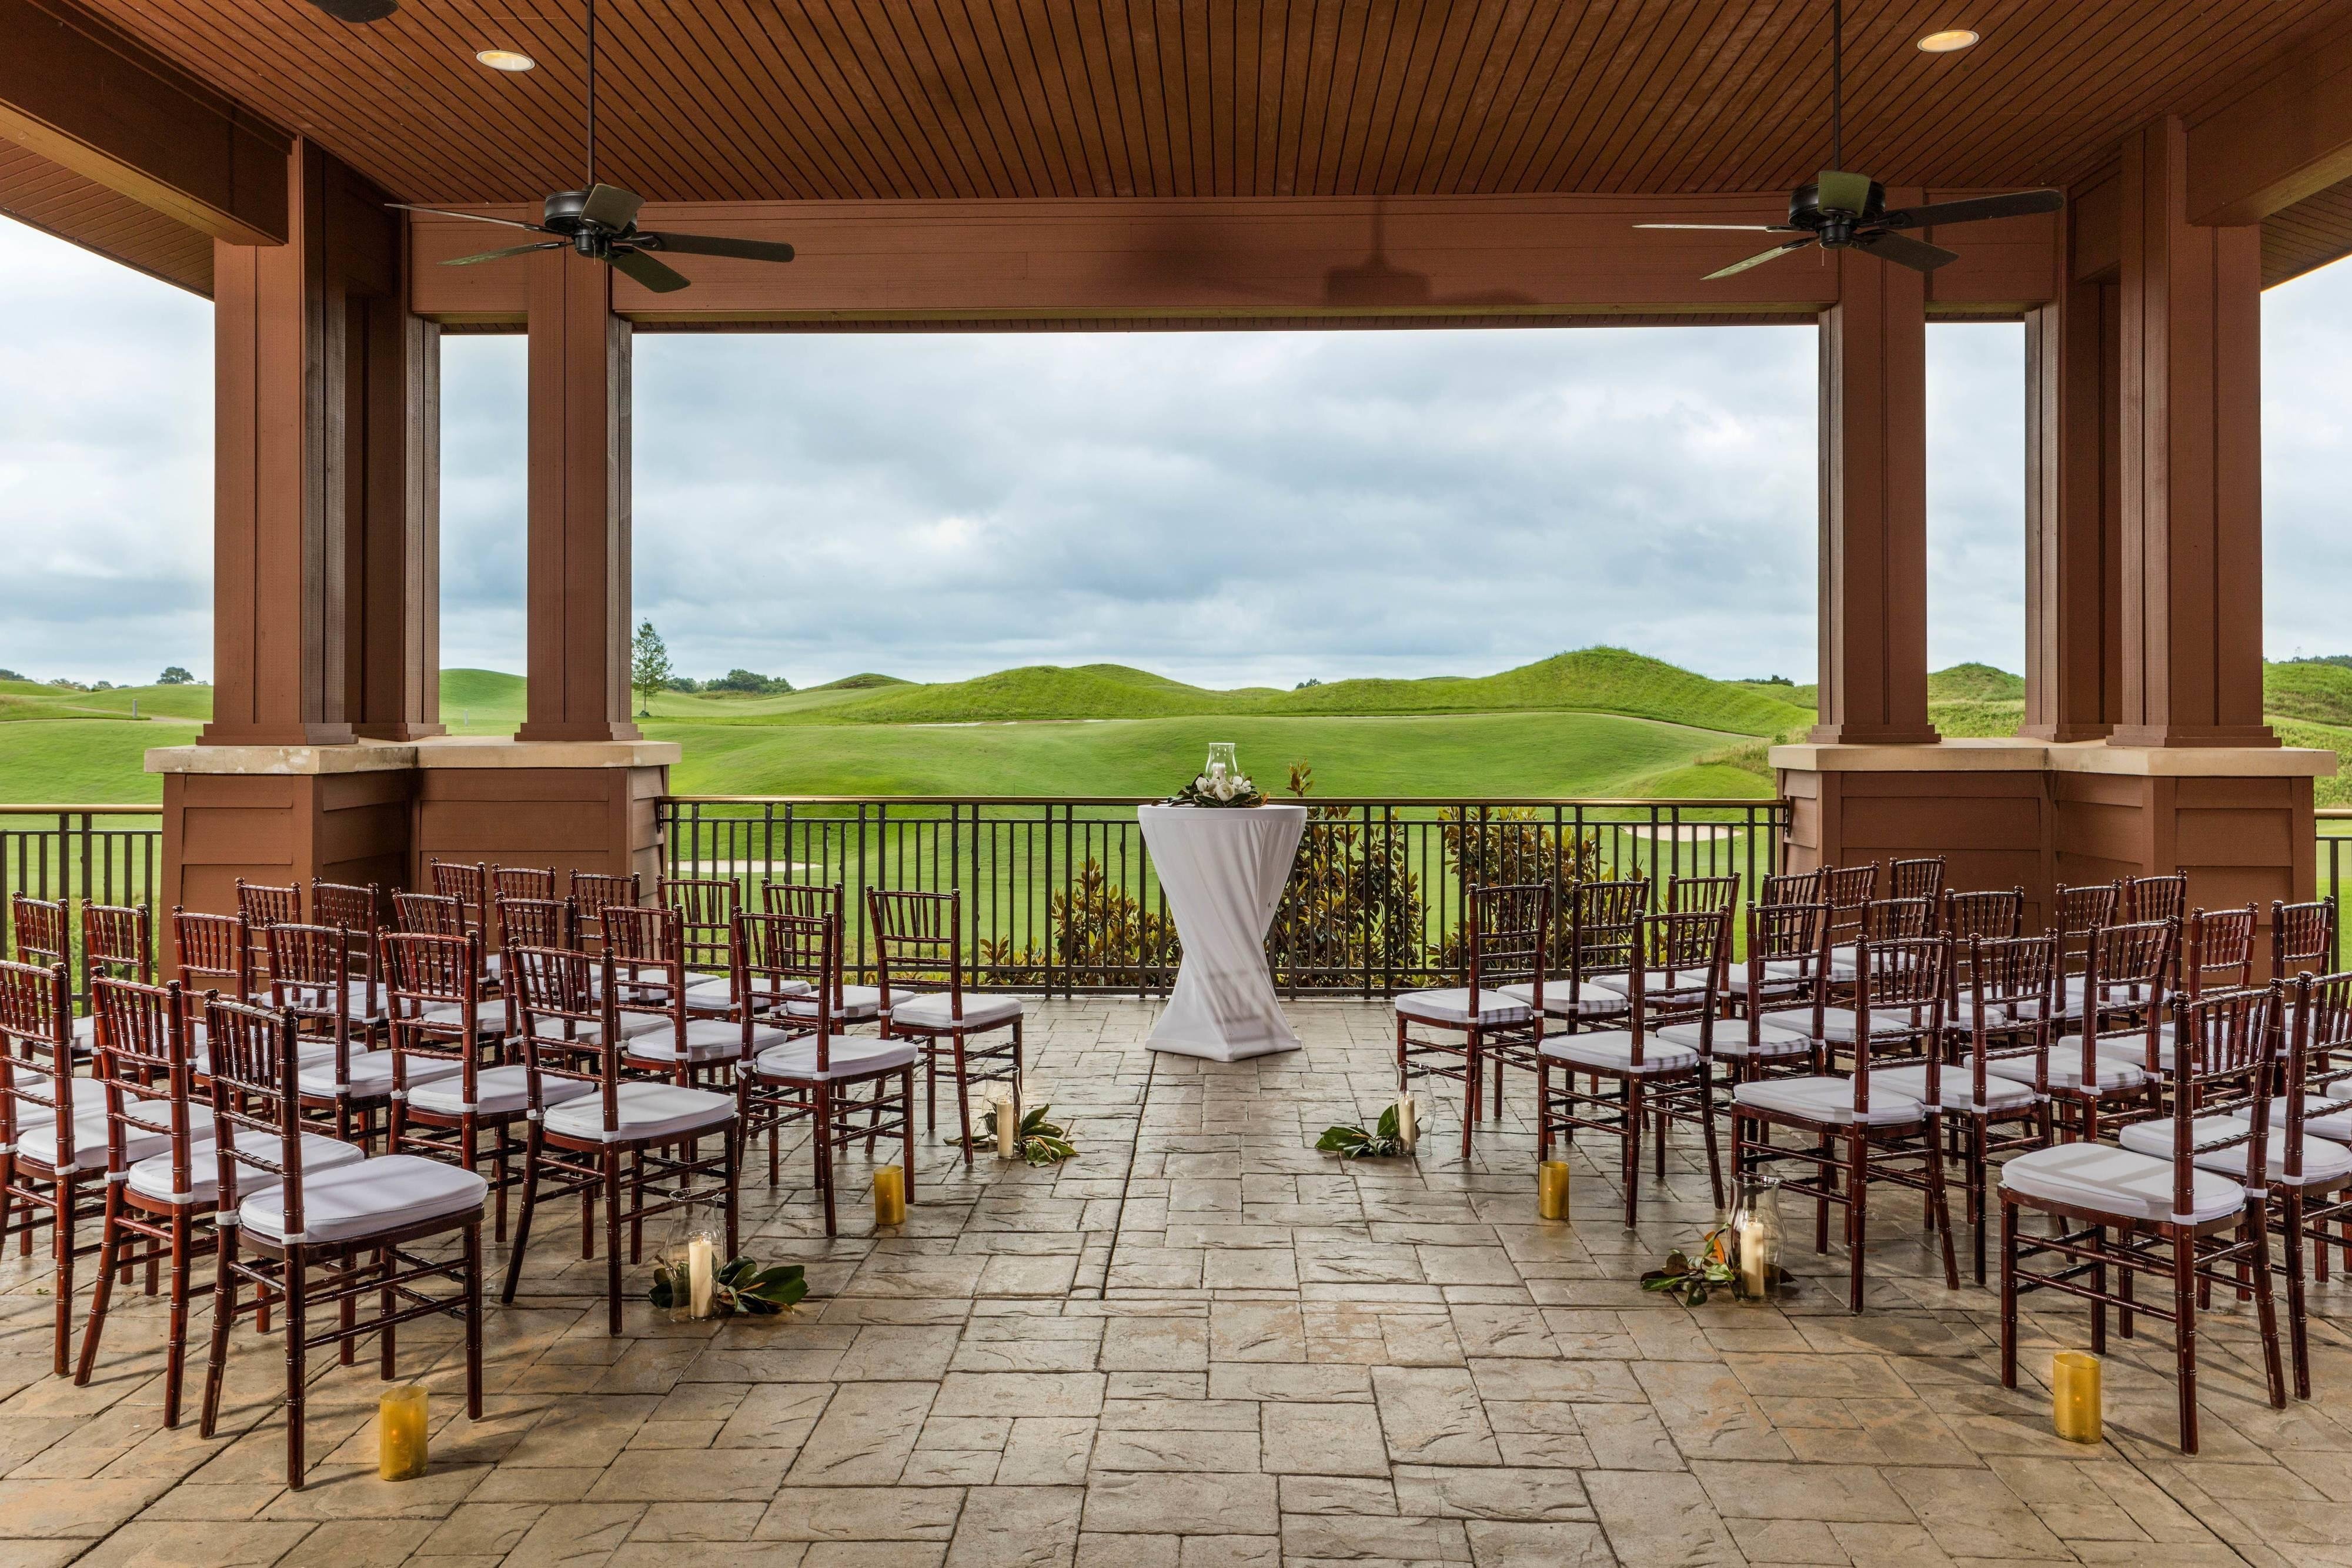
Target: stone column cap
(2018, 754)
(438, 751)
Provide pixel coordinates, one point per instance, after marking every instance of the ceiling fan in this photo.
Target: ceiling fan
(601, 222)
(1840, 210)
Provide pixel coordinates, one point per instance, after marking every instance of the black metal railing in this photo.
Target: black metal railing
(95, 854)
(1059, 894)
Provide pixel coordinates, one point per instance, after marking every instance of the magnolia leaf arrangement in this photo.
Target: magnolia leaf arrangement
(742, 1286)
(1351, 1142)
(1039, 1142)
(1232, 791)
(1692, 1280)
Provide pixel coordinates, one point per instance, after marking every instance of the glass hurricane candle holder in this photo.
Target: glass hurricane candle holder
(2075, 1400)
(1753, 1236)
(691, 1261)
(400, 1433)
(1552, 1189)
(1221, 763)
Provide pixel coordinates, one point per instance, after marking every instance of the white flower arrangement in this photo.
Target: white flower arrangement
(1218, 787)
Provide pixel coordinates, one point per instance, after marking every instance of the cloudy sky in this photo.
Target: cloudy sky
(1226, 508)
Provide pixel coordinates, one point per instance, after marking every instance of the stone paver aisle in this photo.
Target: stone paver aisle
(1201, 1344)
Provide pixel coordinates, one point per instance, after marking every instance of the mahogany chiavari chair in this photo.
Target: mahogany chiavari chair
(342, 1073)
(215, 954)
(1637, 1076)
(592, 891)
(162, 1176)
(571, 1024)
(1856, 1130)
(851, 1005)
(263, 906)
(521, 881)
(40, 926)
(2081, 910)
(2310, 1173)
(676, 1022)
(705, 912)
(1787, 971)
(357, 909)
(1919, 878)
(2000, 1009)
(1701, 894)
(2115, 1058)
(2303, 936)
(1446, 1032)
(521, 922)
(327, 1236)
(52, 1131)
(1780, 974)
(917, 934)
(470, 887)
(1605, 925)
(2216, 953)
(1995, 913)
(1848, 890)
(2153, 897)
(2167, 1210)
(802, 1075)
(1884, 920)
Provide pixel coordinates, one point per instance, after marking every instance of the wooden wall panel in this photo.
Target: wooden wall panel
(571, 819)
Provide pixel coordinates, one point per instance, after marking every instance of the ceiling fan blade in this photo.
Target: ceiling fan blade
(1726, 228)
(649, 272)
(1904, 251)
(1835, 192)
(1758, 259)
(611, 206)
(502, 255)
(471, 217)
(713, 245)
(2015, 205)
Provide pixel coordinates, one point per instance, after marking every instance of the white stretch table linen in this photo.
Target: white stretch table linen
(1223, 869)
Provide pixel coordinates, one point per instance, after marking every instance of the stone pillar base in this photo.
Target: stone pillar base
(2035, 814)
(377, 811)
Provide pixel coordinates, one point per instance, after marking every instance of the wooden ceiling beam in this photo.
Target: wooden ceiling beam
(88, 98)
(1240, 259)
(2286, 137)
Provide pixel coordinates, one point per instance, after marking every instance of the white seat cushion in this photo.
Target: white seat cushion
(845, 1056)
(2329, 1119)
(930, 1011)
(1498, 1006)
(645, 1110)
(2122, 1182)
(1612, 1050)
(2324, 1164)
(87, 1094)
(707, 1040)
(586, 1034)
(308, 1051)
(854, 1004)
(152, 1177)
(489, 1017)
(2065, 1069)
(1772, 1040)
(1591, 1000)
(370, 1075)
(1839, 1025)
(38, 1142)
(1779, 975)
(497, 1092)
(1955, 1088)
(1828, 1101)
(2132, 1047)
(367, 1197)
(1655, 983)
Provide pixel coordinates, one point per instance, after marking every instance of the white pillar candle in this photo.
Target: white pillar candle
(1408, 1121)
(1008, 1127)
(702, 1276)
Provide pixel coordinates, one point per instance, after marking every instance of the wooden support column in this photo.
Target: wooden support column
(322, 582)
(2191, 461)
(1874, 488)
(578, 643)
(2073, 514)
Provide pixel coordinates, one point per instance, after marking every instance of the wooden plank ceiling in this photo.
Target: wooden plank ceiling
(60, 201)
(762, 100)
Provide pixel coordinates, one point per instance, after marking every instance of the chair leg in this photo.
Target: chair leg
(963, 1101)
(2256, 1232)
(2297, 1331)
(384, 1351)
(822, 1125)
(297, 1374)
(175, 1357)
(731, 1140)
(907, 1126)
(223, 1314)
(109, 1248)
(474, 1323)
(2099, 1285)
(1706, 1131)
(1630, 1164)
(1469, 1094)
(61, 1243)
(2008, 1294)
(522, 1219)
(1857, 1214)
(1543, 1108)
(2184, 1305)
(610, 1160)
(1940, 1201)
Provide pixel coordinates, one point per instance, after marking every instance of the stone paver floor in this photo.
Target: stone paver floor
(1202, 1344)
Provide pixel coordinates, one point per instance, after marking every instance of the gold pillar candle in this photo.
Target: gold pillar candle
(890, 1196)
(400, 1433)
(1008, 1128)
(1408, 1121)
(2074, 1403)
(1552, 1189)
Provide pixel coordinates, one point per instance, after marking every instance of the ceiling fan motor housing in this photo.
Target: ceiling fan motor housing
(1833, 227)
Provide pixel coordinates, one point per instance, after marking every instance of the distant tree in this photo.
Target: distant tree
(1773, 681)
(101, 685)
(749, 681)
(176, 676)
(684, 683)
(648, 666)
(1305, 683)
(13, 675)
(70, 684)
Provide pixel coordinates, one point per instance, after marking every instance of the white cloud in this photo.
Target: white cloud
(1224, 507)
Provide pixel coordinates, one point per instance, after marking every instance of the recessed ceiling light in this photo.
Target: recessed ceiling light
(1951, 41)
(509, 60)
